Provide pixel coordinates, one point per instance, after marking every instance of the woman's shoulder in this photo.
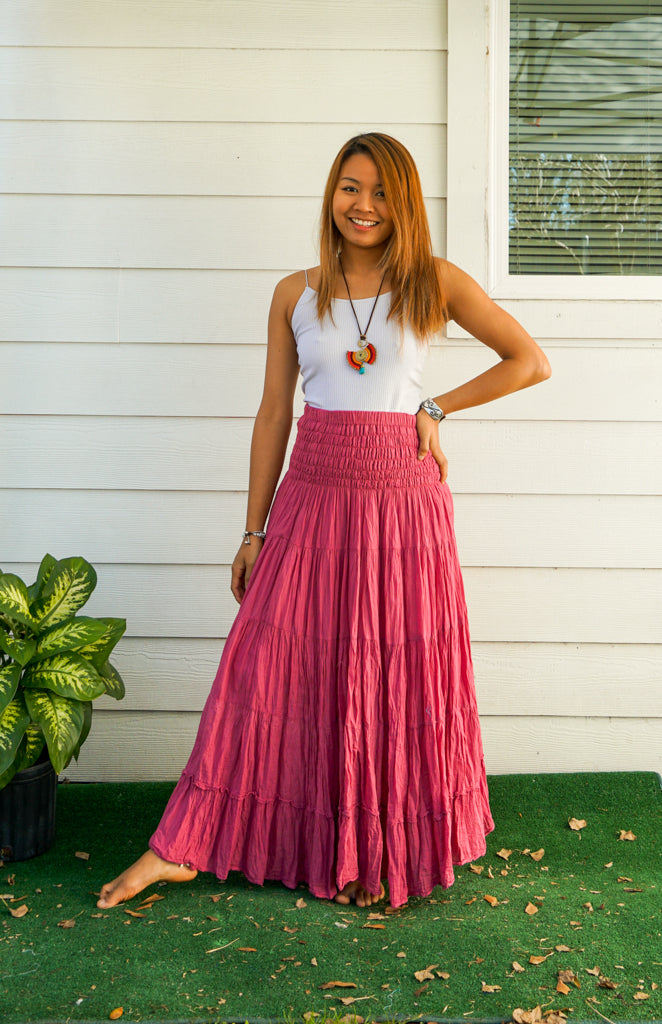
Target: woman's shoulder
(290, 289)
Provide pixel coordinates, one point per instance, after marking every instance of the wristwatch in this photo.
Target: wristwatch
(432, 409)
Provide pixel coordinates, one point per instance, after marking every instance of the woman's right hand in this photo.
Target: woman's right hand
(243, 564)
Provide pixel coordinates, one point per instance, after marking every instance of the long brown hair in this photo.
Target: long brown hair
(417, 298)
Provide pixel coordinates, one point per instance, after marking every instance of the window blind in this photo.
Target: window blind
(585, 137)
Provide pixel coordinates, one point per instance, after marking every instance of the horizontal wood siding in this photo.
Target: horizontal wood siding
(161, 166)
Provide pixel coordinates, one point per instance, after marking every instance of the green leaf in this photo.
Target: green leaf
(31, 747)
(69, 585)
(9, 677)
(13, 723)
(10, 772)
(66, 674)
(61, 721)
(87, 724)
(20, 650)
(99, 651)
(113, 680)
(14, 601)
(71, 635)
(48, 563)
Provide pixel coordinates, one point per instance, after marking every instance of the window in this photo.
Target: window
(585, 138)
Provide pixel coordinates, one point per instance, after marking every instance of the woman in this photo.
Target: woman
(340, 744)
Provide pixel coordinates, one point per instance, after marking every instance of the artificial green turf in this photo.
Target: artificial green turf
(159, 968)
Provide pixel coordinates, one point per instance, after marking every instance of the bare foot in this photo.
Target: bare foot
(147, 869)
(362, 897)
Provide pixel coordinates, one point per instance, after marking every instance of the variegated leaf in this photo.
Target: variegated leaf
(13, 723)
(18, 649)
(69, 586)
(61, 721)
(67, 674)
(31, 747)
(71, 635)
(10, 772)
(113, 681)
(9, 677)
(87, 724)
(99, 651)
(48, 563)
(14, 602)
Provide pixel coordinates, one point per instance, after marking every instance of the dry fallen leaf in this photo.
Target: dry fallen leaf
(562, 988)
(291, 931)
(380, 917)
(503, 853)
(20, 911)
(401, 954)
(348, 1000)
(338, 984)
(527, 1016)
(370, 924)
(351, 1018)
(530, 908)
(476, 868)
(116, 1013)
(624, 878)
(133, 913)
(627, 835)
(247, 949)
(517, 966)
(538, 854)
(606, 982)
(70, 923)
(593, 970)
(539, 959)
(422, 988)
(443, 974)
(82, 855)
(641, 995)
(492, 900)
(562, 949)
(489, 988)
(576, 824)
(426, 973)
(568, 977)
(300, 903)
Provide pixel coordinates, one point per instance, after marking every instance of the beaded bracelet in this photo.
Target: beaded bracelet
(253, 533)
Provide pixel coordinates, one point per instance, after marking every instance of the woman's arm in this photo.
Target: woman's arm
(522, 364)
(273, 424)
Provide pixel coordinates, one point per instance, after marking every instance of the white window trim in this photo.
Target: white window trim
(477, 220)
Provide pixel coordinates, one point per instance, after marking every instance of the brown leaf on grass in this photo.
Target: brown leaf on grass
(19, 911)
(568, 977)
(626, 834)
(370, 924)
(527, 1016)
(593, 970)
(492, 900)
(376, 916)
(588, 906)
(391, 910)
(604, 982)
(555, 1017)
(443, 974)
(476, 868)
(116, 1013)
(351, 1018)
(338, 984)
(290, 931)
(562, 988)
(82, 855)
(624, 878)
(641, 995)
(503, 853)
(401, 954)
(562, 949)
(517, 967)
(247, 949)
(575, 924)
(530, 908)
(70, 923)
(313, 961)
(423, 988)
(310, 1015)
(536, 960)
(629, 888)
(300, 903)
(426, 973)
(489, 988)
(151, 899)
(538, 854)
(348, 1000)
(133, 913)
(577, 823)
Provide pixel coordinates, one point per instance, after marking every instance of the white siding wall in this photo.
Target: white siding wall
(160, 168)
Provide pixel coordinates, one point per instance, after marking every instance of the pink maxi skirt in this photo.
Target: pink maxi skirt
(341, 738)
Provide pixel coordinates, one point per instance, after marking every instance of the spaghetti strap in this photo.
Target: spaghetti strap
(306, 273)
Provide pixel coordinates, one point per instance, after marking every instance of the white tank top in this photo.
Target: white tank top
(391, 384)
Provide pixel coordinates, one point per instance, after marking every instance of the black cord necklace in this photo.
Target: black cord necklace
(366, 352)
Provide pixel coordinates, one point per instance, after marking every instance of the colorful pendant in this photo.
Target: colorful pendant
(363, 355)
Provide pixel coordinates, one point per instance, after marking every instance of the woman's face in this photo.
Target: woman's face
(360, 211)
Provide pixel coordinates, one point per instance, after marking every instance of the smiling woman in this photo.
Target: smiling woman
(340, 745)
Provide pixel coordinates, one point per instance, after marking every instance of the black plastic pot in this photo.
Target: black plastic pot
(27, 813)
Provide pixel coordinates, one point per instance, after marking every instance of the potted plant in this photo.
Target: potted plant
(53, 664)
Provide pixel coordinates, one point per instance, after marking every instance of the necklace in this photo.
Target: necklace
(366, 351)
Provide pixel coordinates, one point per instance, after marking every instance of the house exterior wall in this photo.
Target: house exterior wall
(161, 167)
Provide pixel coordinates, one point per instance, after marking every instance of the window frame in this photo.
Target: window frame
(477, 222)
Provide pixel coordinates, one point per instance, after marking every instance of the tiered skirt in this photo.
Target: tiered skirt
(341, 737)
